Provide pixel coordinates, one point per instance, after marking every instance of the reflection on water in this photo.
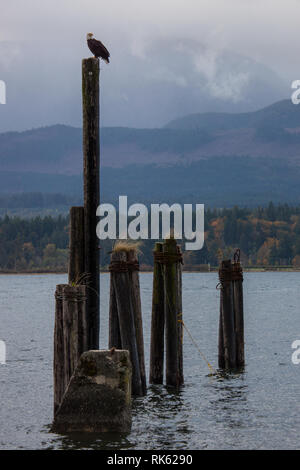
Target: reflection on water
(230, 402)
(254, 408)
(160, 413)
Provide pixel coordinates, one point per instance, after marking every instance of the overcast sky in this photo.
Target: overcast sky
(42, 43)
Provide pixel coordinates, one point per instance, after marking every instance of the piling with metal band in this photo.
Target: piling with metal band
(75, 326)
(231, 325)
(70, 335)
(179, 316)
(133, 268)
(122, 288)
(174, 376)
(238, 313)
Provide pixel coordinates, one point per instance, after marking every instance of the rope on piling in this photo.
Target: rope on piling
(124, 266)
(211, 368)
(163, 258)
(167, 258)
(71, 296)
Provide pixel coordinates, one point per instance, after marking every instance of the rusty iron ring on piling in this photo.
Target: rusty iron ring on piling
(237, 255)
(234, 273)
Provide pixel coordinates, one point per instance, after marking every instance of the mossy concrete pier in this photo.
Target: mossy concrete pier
(98, 398)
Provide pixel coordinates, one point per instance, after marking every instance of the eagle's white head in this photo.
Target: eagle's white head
(89, 36)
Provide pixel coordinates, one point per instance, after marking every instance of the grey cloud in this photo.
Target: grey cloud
(167, 58)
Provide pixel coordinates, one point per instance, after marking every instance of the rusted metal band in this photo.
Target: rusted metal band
(167, 258)
(70, 297)
(234, 273)
(124, 266)
(237, 272)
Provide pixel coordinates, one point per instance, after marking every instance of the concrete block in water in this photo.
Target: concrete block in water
(98, 397)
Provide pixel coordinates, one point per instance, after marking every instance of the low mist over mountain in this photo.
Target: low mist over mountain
(147, 83)
(221, 158)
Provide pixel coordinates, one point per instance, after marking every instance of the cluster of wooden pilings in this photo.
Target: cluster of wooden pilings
(125, 314)
(231, 325)
(167, 322)
(99, 383)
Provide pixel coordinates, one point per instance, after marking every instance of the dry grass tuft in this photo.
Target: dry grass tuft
(127, 245)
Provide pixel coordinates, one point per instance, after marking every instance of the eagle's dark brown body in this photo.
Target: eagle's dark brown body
(98, 49)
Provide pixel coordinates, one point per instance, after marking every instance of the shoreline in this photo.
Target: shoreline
(192, 271)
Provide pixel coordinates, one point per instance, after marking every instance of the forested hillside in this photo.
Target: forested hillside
(266, 236)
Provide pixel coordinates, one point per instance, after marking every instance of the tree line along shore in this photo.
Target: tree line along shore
(268, 237)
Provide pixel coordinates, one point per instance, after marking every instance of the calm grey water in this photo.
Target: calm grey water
(259, 408)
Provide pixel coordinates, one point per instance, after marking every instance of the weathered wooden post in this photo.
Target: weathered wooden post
(231, 325)
(76, 245)
(221, 350)
(91, 155)
(58, 347)
(122, 291)
(171, 258)
(133, 267)
(74, 327)
(158, 319)
(179, 316)
(227, 309)
(114, 338)
(238, 312)
(70, 335)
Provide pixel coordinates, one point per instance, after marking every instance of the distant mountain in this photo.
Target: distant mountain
(270, 132)
(283, 114)
(215, 158)
(217, 182)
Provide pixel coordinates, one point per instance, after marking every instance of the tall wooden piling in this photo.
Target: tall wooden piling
(231, 324)
(90, 101)
(238, 303)
(157, 320)
(179, 315)
(77, 316)
(76, 245)
(173, 376)
(228, 316)
(122, 289)
(133, 266)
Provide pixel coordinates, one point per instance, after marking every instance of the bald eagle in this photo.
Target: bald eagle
(97, 48)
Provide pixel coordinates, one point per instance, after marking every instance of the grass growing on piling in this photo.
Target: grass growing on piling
(127, 245)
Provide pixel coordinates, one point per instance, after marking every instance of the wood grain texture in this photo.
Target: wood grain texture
(91, 169)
